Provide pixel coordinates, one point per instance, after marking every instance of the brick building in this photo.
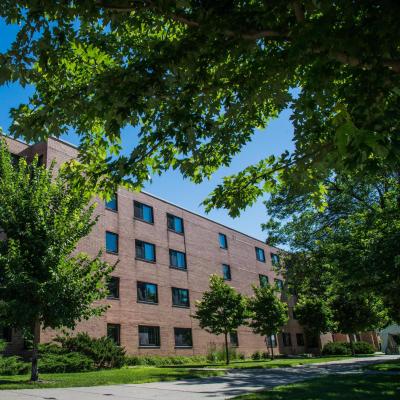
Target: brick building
(166, 255)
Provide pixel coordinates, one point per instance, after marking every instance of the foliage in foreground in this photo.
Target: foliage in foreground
(43, 284)
(197, 77)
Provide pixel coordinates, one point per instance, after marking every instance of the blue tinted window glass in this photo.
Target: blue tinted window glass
(111, 242)
(175, 223)
(149, 252)
(177, 259)
(143, 212)
(260, 254)
(263, 280)
(112, 204)
(226, 271)
(148, 213)
(223, 243)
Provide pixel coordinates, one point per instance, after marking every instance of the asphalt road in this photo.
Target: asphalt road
(230, 385)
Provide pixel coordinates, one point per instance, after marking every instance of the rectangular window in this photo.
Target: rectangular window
(300, 339)
(175, 223)
(274, 259)
(180, 297)
(263, 280)
(271, 340)
(177, 259)
(234, 340)
(112, 204)
(279, 284)
(260, 255)
(145, 251)
(6, 333)
(183, 337)
(226, 272)
(147, 292)
(143, 212)
(111, 242)
(149, 336)
(223, 241)
(287, 339)
(113, 288)
(114, 333)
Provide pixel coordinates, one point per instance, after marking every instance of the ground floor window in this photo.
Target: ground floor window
(234, 339)
(114, 333)
(300, 339)
(183, 337)
(6, 334)
(287, 339)
(149, 336)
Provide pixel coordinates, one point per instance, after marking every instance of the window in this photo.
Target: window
(6, 333)
(149, 336)
(312, 341)
(223, 241)
(287, 339)
(260, 255)
(113, 288)
(112, 204)
(271, 341)
(114, 333)
(175, 223)
(263, 280)
(226, 272)
(183, 337)
(234, 340)
(177, 259)
(147, 292)
(180, 297)
(143, 212)
(300, 339)
(111, 242)
(145, 251)
(274, 259)
(279, 284)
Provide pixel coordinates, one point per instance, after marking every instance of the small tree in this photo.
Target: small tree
(221, 310)
(315, 315)
(267, 313)
(42, 283)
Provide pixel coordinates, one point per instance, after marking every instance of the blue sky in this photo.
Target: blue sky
(171, 186)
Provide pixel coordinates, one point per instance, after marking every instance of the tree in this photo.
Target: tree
(44, 283)
(352, 241)
(197, 77)
(315, 315)
(221, 310)
(357, 313)
(268, 314)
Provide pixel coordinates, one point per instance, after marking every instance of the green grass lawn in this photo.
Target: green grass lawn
(104, 377)
(337, 387)
(393, 365)
(278, 362)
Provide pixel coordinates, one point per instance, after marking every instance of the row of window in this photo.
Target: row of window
(145, 213)
(148, 292)
(149, 336)
(287, 339)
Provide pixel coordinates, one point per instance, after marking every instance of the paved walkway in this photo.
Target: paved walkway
(232, 384)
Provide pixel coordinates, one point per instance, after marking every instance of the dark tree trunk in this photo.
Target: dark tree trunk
(351, 337)
(35, 352)
(226, 348)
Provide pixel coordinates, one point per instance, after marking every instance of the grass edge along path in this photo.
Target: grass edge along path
(390, 365)
(337, 387)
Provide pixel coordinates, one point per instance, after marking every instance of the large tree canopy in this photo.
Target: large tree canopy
(198, 76)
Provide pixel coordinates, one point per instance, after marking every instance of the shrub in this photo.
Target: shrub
(71, 362)
(217, 353)
(336, 349)
(159, 361)
(13, 366)
(241, 356)
(363, 348)
(256, 355)
(265, 355)
(103, 351)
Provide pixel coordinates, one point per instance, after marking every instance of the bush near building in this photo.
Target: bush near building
(343, 348)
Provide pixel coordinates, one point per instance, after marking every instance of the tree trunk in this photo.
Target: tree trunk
(351, 337)
(35, 355)
(226, 348)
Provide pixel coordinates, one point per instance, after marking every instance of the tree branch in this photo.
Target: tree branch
(298, 11)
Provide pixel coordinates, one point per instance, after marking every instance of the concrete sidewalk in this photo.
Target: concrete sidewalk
(230, 385)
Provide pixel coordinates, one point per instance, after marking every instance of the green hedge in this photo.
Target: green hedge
(71, 362)
(159, 361)
(344, 349)
(13, 366)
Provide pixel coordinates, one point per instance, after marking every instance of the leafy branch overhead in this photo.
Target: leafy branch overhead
(198, 77)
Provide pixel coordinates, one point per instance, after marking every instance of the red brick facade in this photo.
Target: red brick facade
(200, 243)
